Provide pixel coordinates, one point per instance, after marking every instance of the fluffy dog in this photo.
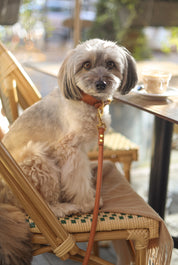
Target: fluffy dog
(50, 140)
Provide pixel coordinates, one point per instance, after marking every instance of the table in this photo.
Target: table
(166, 114)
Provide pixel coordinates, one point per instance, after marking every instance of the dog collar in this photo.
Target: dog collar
(93, 101)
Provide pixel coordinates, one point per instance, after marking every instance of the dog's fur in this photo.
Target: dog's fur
(50, 140)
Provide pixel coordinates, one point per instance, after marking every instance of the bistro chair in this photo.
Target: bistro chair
(16, 87)
(17, 90)
(60, 235)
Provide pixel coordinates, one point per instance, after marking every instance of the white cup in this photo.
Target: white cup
(156, 81)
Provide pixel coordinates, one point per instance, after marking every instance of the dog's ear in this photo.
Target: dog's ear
(66, 79)
(129, 75)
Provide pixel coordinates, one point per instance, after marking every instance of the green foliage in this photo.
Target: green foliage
(136, 42)
(114, 20)
(172, 41)
(31, 14)
(27, 18)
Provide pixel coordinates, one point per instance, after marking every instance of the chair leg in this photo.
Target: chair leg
(127, 166)
(92, 261)
(140, 258)
(141, 244)
(96, 248)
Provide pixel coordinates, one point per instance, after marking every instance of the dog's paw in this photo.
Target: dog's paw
(63, 209)
(89, 206)
(86, 208)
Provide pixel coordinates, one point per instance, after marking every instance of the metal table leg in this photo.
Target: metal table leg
(160, 165)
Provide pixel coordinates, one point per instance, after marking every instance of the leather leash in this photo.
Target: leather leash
(101, 128)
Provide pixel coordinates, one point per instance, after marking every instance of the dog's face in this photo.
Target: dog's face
(98, 68)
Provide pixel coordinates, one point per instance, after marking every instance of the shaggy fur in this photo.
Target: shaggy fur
(51, 139)
(15, 238)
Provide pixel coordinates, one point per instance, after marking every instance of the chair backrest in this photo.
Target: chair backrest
(16, 87)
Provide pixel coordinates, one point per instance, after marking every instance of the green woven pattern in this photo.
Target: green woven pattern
(107, 221)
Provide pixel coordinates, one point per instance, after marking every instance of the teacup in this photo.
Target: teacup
(156, 81)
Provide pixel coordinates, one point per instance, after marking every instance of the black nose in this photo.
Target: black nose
(100, 85)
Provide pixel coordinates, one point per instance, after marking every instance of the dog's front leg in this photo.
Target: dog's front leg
(76, 181)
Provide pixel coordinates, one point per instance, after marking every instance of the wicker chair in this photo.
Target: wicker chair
(16, 88)
(60, 235)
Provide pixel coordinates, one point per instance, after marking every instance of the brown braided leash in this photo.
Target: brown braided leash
(101, 128)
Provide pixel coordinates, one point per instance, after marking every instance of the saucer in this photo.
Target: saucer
(171, 91)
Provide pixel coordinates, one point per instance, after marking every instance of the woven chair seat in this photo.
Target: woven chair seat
(107, 221)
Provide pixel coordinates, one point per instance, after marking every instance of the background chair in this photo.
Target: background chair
(118, 148)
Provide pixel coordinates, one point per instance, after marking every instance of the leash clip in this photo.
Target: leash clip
(101, 124)
(100, 114)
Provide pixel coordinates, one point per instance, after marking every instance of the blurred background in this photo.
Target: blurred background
(41, 33)
(142, 26)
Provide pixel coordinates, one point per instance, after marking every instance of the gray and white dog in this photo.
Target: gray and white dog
(51, 139)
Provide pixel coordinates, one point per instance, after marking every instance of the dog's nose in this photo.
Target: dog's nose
(100, 85)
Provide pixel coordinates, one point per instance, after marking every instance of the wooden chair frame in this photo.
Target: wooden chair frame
(15, 85)
(54, 238)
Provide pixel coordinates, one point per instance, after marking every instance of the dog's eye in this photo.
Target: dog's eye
(87, 65)
(110, 65)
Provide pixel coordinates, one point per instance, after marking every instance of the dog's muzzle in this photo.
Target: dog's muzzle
(100, 85)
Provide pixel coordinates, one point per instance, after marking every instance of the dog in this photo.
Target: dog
(51, 139)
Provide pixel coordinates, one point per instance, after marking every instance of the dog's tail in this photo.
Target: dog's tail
(15, 237)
